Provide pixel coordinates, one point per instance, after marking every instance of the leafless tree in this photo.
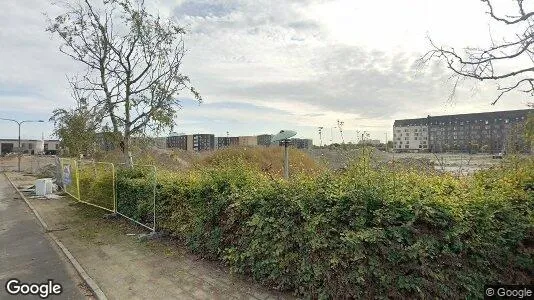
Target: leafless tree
(490, 64)
(132, 62)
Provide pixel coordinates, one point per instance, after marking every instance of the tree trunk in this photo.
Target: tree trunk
(128, 161)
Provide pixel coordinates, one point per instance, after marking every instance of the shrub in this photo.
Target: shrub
(367, 232)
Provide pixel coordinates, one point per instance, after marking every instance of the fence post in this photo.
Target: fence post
(114, 188)
(59, 172)
(155, 183)
(78, 180)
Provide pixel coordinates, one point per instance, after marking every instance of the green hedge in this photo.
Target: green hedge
(96, 184)
(363, 233)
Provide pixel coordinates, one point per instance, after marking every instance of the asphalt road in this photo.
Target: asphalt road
(26, 253)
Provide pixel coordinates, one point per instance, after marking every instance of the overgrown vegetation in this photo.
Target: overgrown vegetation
(366, 232)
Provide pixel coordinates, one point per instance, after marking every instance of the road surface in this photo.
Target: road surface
(27, 254)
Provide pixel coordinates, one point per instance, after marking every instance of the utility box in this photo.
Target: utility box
(43, 186)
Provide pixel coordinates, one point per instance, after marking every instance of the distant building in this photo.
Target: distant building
(192, 142)
(264, 140)
(227, 141)
(203, 142)
(300, 143)
(177, 142)
(49, 147)
(492, 131)
(160, 142)
(248, 140)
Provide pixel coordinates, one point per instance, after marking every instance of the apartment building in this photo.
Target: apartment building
(227, 141)
(299, 143)
(178, 142)
(203, 142)
(302, 143)
(410, 135)
(489, 132)
(248, 141)
(192, 142)
(264, 139)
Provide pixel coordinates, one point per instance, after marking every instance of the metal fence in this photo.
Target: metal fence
(458, 163)
(130, 193)
(96, 181)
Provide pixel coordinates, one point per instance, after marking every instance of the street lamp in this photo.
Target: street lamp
(20, 123)
(332, 134)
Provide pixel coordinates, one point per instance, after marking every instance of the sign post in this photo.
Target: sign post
(283, 136)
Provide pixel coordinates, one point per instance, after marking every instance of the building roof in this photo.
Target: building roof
(464, 117)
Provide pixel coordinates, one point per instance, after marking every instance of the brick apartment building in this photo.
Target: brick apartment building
(488, 132)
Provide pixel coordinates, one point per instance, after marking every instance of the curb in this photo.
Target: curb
(97, 291)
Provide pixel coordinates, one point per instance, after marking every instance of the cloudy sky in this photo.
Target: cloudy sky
(266, 65)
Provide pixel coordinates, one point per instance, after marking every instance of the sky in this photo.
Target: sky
(266, 65)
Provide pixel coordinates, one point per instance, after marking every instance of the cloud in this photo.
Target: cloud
(263, 65)
(204, 8)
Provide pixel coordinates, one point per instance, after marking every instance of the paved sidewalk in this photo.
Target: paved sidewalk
(27, 254)
(126, 268)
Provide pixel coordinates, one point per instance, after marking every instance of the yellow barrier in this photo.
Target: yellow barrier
(96, 184)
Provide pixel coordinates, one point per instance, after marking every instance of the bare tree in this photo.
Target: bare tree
(133, 63)
(490, 64)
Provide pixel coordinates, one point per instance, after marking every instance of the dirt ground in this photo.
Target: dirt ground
(126, 267)
(463, 163)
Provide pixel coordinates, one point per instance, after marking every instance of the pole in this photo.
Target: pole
(20, 149)
(386, 142)
(286, 160)
(20, 123)
(332, 134)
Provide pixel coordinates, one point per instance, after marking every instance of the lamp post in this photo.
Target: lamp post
(20, 123)
(320, 136)
(332, 134)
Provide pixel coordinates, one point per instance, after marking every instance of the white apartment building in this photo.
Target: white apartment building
(410, 137)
